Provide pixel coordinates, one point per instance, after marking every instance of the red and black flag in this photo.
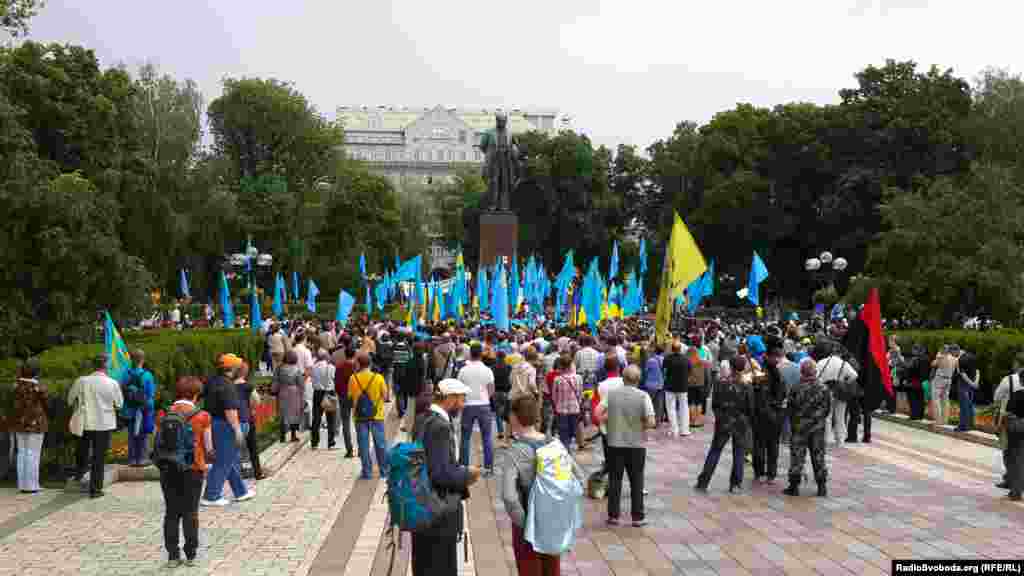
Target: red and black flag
(867, 344)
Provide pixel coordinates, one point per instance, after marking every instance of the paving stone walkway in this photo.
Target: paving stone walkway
(910, 494)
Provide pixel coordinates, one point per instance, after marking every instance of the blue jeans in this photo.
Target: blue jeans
(137, 444)
(965, 395)
(481, 414)
(364, 428)
(567, 427)
(718, 441)
(226, 464)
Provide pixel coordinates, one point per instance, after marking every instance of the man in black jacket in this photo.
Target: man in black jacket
(770, 399)
(677, 380)
(435, 551)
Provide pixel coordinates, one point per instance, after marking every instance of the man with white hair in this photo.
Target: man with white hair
(323, 386)
(627, 412)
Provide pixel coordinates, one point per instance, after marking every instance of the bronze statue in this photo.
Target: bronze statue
(502, 164)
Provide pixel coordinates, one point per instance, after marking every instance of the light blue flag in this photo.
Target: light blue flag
(482, 290)
(708, 285)
(613, 269)
(694, 294)
(382, 295)
(369, 301)
(362, 264)
(278, 306)
(311, 295)
(345, 303)
(118, 360)
(513, 286)
(643, 255)
(295, 285)
(255, 317)
(592, 285)
(184, 286)
(758, 274)
(408, 270)
(499, 308)
(226, 307)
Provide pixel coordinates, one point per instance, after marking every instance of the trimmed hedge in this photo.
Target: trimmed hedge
(994, 350)
(170, 354)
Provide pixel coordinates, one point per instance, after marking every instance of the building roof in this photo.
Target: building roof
(392, 118)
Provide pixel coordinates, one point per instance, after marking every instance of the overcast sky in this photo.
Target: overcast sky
(626, 71)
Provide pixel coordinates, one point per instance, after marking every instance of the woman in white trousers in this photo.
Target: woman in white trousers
(29, 425)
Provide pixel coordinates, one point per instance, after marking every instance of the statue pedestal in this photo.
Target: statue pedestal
(499, 236)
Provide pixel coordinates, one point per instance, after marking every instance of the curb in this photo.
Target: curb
(123, 473)
(974, 436)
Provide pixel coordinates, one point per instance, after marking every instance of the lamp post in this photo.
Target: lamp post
(825, 262)
(250, 259)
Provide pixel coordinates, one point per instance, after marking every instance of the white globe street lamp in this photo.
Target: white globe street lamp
(812, 265)
(826, 257)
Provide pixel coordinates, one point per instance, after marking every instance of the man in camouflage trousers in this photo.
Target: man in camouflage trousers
(810, 403)
(733, 404)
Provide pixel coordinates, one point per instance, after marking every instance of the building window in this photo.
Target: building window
(462, 136)
(379, 156)
(439, 156)
(448, 156)
(462, 155)
(477, 155)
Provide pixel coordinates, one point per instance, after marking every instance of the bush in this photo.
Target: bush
(170, 354)
(994, 350)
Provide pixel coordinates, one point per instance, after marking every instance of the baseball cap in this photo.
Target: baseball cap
(229, 361)
(451, 386)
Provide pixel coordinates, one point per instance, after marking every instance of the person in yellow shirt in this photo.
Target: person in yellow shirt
(369, 392)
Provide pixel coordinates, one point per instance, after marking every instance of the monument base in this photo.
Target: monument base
(499, 237)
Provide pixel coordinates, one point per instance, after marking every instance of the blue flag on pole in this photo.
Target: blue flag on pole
(118, 360)
(613, 268)
(499, 308)
(295, 285)
(345, 303)
(311, 296)
(758, 274)
(255, 317)
(643, 255)
(226, 307)
(278, 306)
(184, 285)
(362, 265)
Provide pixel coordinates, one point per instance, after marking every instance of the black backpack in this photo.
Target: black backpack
(174, 448)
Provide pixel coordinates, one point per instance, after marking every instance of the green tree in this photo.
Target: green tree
(452, 201)
(956, 242)
(62, 262)
(268, 128)
(15, 14)
(364, 217)
(157, 223)
(997, 120)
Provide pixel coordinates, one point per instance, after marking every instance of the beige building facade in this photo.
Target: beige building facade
(420, 146)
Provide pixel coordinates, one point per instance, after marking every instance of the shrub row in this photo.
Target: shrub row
(169, 355)
(994, 350)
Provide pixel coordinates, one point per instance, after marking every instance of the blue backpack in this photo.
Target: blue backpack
(174, 447)
(365, 409)
(413, 504)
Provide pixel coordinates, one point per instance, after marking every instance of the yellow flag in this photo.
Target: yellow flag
(683, 264)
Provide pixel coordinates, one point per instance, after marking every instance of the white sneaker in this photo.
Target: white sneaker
(218, 503)
(247, 496)
(685, 433)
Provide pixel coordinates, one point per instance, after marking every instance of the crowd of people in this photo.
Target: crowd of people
(765, 385)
